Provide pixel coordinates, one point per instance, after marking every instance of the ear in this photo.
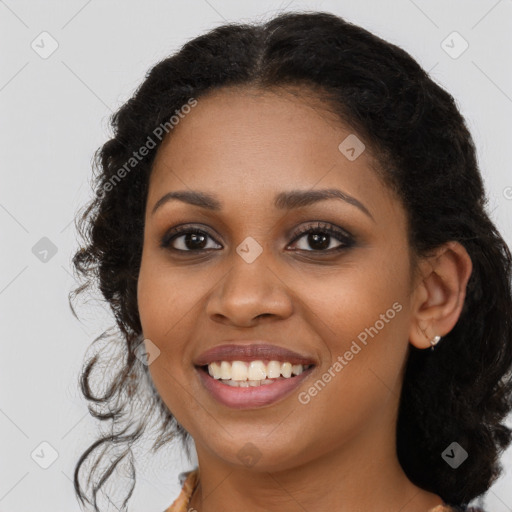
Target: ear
(439, 294)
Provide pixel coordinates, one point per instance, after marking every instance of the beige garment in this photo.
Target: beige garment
(180, 504)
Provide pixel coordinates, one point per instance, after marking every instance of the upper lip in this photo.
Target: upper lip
(251, 352)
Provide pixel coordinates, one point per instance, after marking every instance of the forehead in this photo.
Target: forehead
(245, 145)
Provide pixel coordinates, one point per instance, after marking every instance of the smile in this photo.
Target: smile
(245, 385)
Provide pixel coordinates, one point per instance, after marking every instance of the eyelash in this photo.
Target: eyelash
(341, 235)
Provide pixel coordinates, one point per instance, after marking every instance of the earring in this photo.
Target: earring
(434, 341)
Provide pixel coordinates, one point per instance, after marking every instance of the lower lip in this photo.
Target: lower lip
(252, 396)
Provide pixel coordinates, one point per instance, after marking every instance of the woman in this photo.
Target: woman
(290, 228)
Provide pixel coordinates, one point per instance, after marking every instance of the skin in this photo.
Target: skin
(245, 146)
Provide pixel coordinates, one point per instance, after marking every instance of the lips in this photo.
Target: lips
(252, 397)
(250, 352)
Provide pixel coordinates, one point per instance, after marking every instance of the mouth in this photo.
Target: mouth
(251, 384)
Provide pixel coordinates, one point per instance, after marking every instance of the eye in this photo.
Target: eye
(320, 237)
(192, 239)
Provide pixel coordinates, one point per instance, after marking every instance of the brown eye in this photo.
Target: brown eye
(320, 238)
(188, 239)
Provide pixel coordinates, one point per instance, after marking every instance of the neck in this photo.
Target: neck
(362, 474)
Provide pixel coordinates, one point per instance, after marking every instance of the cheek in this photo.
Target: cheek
(353, 298)
(163, 316)
(360, 314)
(171, 310)
(163, 305)
(361, 320)
(166, 297)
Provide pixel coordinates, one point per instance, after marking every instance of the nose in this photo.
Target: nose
(249, 291)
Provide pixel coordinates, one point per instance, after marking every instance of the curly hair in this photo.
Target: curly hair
(459, 392)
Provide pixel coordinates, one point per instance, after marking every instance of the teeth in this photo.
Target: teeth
(257, 370)
(225, 370)
(273, 369)
(214, 369)
(297, 369)
(255, 373)
(286, 370)
(238, 371)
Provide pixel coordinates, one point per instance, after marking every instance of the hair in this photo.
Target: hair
(459, 392)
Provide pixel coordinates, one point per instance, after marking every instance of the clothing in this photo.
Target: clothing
(190, 479)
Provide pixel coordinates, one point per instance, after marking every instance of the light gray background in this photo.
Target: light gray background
(54, 115)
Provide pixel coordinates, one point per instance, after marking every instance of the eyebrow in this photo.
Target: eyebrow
(283, 201)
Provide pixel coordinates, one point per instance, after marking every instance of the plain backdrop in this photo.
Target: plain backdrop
(54, 115)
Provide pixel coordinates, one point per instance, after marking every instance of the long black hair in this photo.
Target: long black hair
(459, 392)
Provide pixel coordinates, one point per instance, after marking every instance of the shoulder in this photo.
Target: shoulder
(188, 480)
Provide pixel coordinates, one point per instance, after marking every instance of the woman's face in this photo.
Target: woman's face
(343, 301)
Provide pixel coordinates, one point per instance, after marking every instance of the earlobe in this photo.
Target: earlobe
(439, 296)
